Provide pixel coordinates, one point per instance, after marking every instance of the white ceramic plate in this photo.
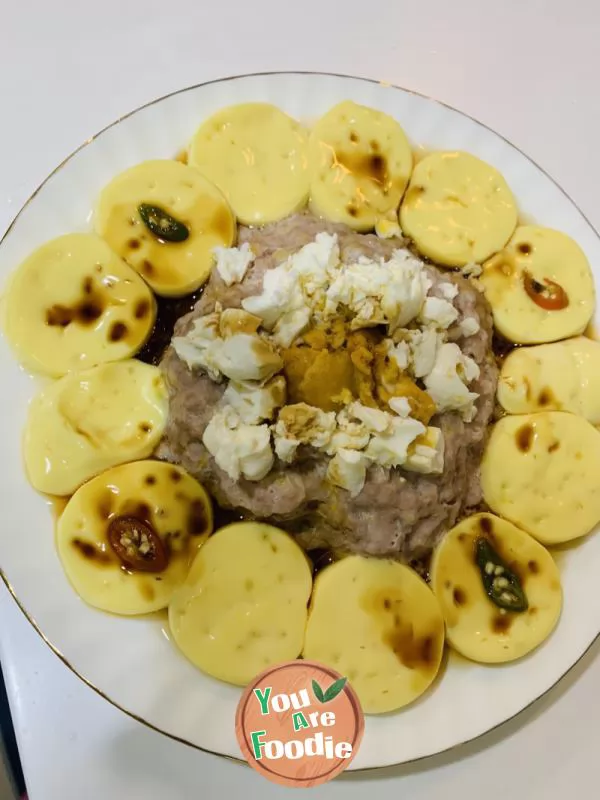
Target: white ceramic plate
(131, 662)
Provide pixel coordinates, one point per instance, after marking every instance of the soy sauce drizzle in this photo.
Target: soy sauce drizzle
(168, 311)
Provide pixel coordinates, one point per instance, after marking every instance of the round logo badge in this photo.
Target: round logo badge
(299, 724)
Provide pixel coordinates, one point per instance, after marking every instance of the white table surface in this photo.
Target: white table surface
(527, 68)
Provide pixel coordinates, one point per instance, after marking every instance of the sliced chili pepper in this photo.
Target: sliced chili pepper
(162, 224)
(548, 295)
(137, 544)
(501, 584)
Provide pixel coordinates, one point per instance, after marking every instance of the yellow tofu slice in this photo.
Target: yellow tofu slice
(360, 162)
(257, 156)
(561, 376)
(186, 217)
(457, 209)
(476, 626)
(73, 304)
(243, 605)
(89, 421)
(133, 505)
(378, 623)
(540, 472)
(540, 287)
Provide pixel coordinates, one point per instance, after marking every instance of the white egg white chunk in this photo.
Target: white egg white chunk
(89, 421)
(477, 627)
(242, 607)
(73, 303)
(160, 502)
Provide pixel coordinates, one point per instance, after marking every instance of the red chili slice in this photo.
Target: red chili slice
(137, 544)
(548, 295)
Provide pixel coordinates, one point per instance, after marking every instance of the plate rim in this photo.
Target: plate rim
(114, 123)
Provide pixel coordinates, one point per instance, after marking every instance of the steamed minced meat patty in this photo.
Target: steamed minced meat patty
(398, 513)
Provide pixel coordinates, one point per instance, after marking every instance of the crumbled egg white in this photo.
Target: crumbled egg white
(426, 455)
(239, 356)
(348, 470)
(438, 312)
(472, 270)
(239, 449)
(388, 228)
(400, 406)
(233, 262)
(446, 383)
(390, 448)
(255, 403)
(302, 424)
(374, 420)
(469, 326)
(448, 290)
(313, 284)
(424, 345)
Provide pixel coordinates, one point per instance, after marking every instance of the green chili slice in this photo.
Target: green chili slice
(501, 584)
(161, 224)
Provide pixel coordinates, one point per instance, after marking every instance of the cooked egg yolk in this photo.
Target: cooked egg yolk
(330, 365)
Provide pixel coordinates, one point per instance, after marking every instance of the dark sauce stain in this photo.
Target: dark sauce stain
(105, 506)
(197, 519)
(91, 552)
(374, 144)
(86, 312)
(459, 597)
(414, 652)
(168, 311)
(145, 427)
(147, 591)
(462, 537)
(524, 438)
(552, 448)
(485, 523)
(88, 285)
(175, 475)
(147, 267)
(142, 309)
(525, 248)
(527, 388)
(501, 624)
(221, 224)
(545, 397)
(274, 548)
(321, 558)
(133, 244)
(352, 210)
(117, 331)
(354, 137)
(533, 567)
(150, 480)
(501, 347)
(371, 167)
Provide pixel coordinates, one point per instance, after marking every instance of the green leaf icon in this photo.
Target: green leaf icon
(318, 692)
(333, 691)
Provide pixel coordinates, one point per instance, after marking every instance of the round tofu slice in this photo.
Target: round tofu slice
(243, 605)
(257, 156)
(180, 196)
(475, 626)
(540, 472)
(540, 287)
(89, 421)
(457, 209)
(360, 163)
(74, 304)
(562, 376)
(153, 494)
(378, 623)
